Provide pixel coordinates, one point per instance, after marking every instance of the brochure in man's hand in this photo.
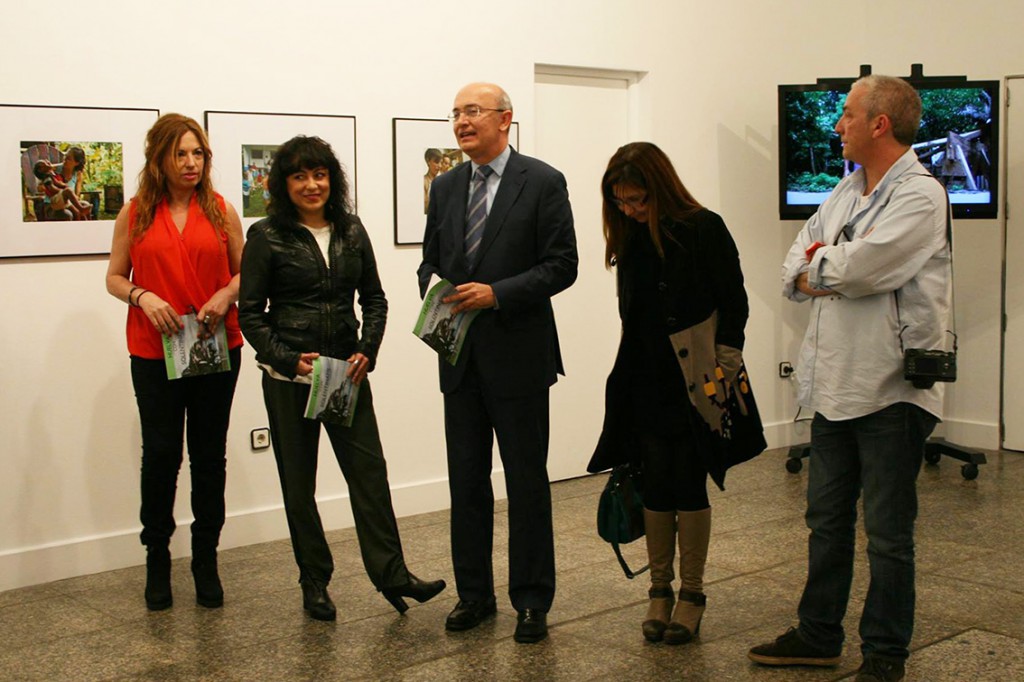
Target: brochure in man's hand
(187, 355)
(332, 395)
(439, 328)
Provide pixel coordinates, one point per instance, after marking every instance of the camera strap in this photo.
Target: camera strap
(952, 282)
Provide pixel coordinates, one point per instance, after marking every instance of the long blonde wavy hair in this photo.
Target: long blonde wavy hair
(161, 144)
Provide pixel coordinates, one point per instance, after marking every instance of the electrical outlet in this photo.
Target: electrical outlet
(786, 370)
(259, 439)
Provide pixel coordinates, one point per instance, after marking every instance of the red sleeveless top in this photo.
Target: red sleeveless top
(183, 268)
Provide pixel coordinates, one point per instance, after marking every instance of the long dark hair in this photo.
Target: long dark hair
(76, 154)
(645, 166)
(307, 153)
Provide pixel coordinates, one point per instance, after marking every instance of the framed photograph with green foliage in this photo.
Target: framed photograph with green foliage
(244, 143)
(73, 167)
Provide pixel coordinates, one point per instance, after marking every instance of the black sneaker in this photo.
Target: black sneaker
(876, 669)
(790, 649)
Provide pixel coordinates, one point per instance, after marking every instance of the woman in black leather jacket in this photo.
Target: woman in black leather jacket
(308, 259)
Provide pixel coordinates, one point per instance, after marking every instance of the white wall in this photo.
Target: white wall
(68, 424)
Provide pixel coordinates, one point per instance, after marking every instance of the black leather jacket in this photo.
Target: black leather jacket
(311, 307)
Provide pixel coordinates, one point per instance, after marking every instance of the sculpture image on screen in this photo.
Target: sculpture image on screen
(957, 143)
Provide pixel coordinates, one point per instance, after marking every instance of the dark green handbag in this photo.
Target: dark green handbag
(620, 512)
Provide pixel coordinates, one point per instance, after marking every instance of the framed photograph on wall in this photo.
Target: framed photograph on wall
(423, 148)
(244, 143)
(73, 169)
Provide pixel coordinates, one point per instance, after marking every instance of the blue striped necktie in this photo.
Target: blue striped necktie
(476, 217)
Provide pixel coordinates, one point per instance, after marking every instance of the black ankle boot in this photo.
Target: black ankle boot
(316, 600)
(417, 589)
(158, 578)
(209, 592)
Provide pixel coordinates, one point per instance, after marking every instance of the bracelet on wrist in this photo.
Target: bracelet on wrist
(130, 292)
(138, 298)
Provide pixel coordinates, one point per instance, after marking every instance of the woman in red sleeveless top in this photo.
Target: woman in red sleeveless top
(177, 249)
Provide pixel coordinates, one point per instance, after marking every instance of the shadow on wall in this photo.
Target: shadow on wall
(748, 183)
(76, 478)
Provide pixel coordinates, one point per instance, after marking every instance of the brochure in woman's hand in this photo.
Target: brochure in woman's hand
(332, 395)
(438, 327)
(187, 355)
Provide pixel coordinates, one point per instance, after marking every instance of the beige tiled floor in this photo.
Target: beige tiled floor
(970, 616)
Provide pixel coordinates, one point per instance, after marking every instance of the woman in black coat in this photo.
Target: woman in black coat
(308, 259)
(678, 400)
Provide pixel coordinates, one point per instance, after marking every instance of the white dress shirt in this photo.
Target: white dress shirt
(892, 240)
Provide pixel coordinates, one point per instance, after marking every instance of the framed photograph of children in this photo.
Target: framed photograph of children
(244, 143)
(73, 167)
(423, 148)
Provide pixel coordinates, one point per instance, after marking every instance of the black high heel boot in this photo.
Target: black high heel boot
(417, 589)
(316, 600)
(209, 592)
(158, 578)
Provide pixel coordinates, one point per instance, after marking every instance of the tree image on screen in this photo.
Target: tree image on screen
(814, 157)
(954, 142)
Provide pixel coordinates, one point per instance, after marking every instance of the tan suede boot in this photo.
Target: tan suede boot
(660, 529)
(694, 536)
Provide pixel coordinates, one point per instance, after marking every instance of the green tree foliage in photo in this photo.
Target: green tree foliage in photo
(104, 167)
(960, 110)
(813, 159)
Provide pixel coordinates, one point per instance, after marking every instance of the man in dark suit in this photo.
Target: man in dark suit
(501, 229)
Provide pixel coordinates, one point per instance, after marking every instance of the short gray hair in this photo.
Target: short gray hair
(504, 101)
(897, 99)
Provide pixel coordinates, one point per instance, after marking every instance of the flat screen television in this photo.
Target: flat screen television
(957, 143)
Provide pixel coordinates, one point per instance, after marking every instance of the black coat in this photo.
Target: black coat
(703, 304)
(310, 306)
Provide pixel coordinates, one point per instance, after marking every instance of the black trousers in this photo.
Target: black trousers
(164, 407)
(473, 416)
(359, 453)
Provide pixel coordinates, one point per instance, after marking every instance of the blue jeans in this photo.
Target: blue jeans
(880, 453)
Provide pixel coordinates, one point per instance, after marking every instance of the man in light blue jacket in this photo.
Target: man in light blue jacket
(874, 262)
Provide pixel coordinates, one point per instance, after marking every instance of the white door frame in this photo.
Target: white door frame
(1016, 441)
(639, 123)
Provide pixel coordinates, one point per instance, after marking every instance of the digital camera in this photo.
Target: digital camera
(924, 367)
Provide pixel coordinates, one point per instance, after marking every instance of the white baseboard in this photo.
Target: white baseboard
(969, 434)
(86, 555)
(784, 434)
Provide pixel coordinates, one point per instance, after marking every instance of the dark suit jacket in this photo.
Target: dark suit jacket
(527, 255)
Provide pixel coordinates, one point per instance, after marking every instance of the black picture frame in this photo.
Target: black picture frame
(411, 139)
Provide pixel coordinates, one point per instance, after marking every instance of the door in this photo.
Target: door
(1013, 295)
(581, 118)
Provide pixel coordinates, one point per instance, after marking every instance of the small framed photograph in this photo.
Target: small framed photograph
(74, 168)
(244, 143)
(423, 148)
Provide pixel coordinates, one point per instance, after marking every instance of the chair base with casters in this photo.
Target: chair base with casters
(934, 449)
